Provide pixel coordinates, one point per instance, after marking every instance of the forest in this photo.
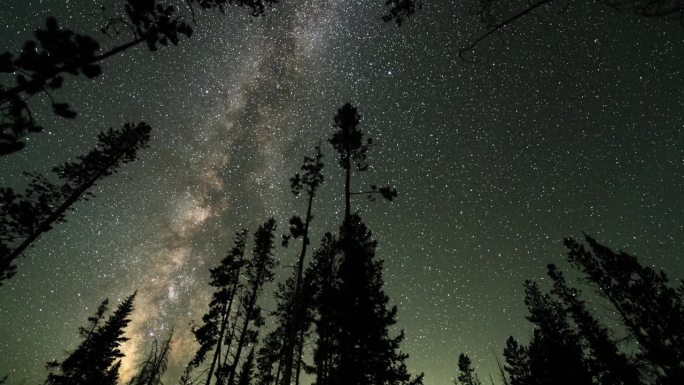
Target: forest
(299, 293)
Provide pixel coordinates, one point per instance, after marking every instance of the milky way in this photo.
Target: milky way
(569, 122)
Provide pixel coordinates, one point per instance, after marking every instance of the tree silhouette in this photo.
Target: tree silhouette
(259, 271)
(466, 375)
(356, 347)
(352, 148)
(321, 276)
(607, 363)
(367, 354)
(570, 346)
(247, 370)
(650, 309)
(225, 278)
(155, 364)
(41, 65)
(555, 353)
(399, 10)
(308, 181)
(25, 216)
(95, 360)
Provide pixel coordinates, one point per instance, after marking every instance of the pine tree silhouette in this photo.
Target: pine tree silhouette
(466, 375)
(605, 360)
(26, 216)
(570, 346)
(259, 271)
(321, 276)
(650, 309)
(308, 181)
(359, 349)
(225, 278)
(555, 353)
(247, 370)
(95, 361)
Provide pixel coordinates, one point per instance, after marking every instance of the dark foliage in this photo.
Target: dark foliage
(466, 375)
(44, 203)
(399, 10)
(353, 313)
(365, 351)
(650, 309)
(258, 272)
(225, 279)
(308, 181)
(554, 355)
(570, 346)
(256, 6)
(247, 370)
(352, 147)
(321, 276)
(41, 65)
(96, 360)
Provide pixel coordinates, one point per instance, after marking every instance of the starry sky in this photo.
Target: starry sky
(570, 121)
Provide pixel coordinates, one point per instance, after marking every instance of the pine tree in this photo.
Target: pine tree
(466, 374)
(259, 271)
(649, 308)
(517, 363)
(25, 217)
(367, 354)
(247, 370)
(94, 362)
(555, 353)
(607, 363)
(362, 351)
(225, 278)
(321, 276)
(294, 320)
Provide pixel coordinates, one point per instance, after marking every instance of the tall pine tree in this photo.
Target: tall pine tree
(96, 360)
(362, 350)
(308, 181)
(259, 271)
(225, 278)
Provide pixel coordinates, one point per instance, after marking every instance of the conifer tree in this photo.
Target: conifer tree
(309, 181)
(555, 353)
(26, 216)
(247, 370)
(94, 362)
(605, 360)
(258, 271)
(321, 276)
(466, 375)
(650, 309)
(225, 278)
(363, 350)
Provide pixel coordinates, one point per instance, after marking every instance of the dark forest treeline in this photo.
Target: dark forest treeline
(333, 320)
(571, 345)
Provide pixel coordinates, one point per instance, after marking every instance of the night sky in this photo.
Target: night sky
(569, 122)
